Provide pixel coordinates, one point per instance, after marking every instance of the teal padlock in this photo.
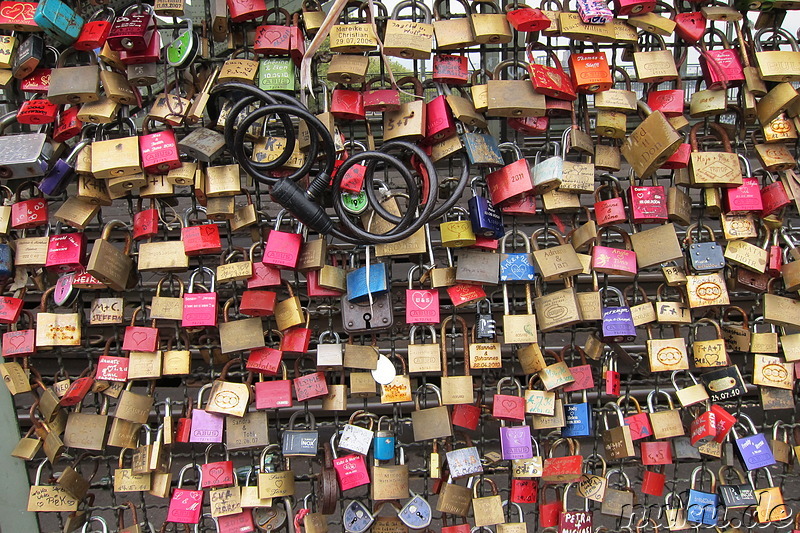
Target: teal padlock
(58, 20)
(183, 50)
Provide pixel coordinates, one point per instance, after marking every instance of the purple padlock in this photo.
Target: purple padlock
(57, 178)
(206, 427)
(515, 442)
(754, 450)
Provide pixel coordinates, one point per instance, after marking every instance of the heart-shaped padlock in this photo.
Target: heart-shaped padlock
(357, 518)
(182, 51)
(416, 514)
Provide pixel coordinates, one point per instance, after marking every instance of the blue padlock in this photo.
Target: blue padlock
(383, 443)
(754, 450)
(617, 325)
(59, 175)
(359, 288)
(416, 514)
(486, 220)
(6, 261)
(58, 20)
(516, 266)
(702, 506)
(356, 517)
(578, 418)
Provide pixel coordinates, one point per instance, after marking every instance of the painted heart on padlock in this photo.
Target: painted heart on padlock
(16, 340)
(139, 337)
(216, 473)
(19, 11)
(274, 36)
(423, 300)
(509, 405)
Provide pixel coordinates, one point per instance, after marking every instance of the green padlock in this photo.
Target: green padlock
(276, 74)
(355, 203)
(183, 50)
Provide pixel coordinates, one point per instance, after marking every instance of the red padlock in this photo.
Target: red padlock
(95, 31)
(656, 453)
(37, 111)
(217, 473)
(549, 511)
(351, 471)
(669, 101)
(548, 80)
(308, 386)
(200, 308)
(721, 68)
(653, 482)
(200, 240)
(508, 407)
(11, 306)
(244, 10)
(724, 422)
(140, 338)
(37, 82)
(145, 221)
(648, 203)
(450, 69)
(79, 388)
(611, 210)
(315, 290)
(297, 338)
(611, 379)
(529, 125)
(274, 394)
(66, 252)
(347, 104)
(703, 428)
(263, 275)
(265, 360)
(29, 213)
(512, 180)
(239, 522)
(680, 159)
(462, 294)
(526, 19)
(151, 54)
(159, 150)
(183, 429)
(380, 100)
(690, 26)
(282, 249)
(455, 528)
(520, 206)
(633, 7)
(746, 198)
(20, 342)
(775, 257)
(353, 180)
(258, 303)
(133, 31)
(773, 196)
(18, 16)
(274, 39)
(68, 125)
(524, 490)
(639, 422)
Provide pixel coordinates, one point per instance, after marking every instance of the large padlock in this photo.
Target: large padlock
(777, 65)
(409, 39)
(133, 31)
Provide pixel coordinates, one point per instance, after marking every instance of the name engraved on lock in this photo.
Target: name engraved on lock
(353, 35)
(715, 167)
(106, 311)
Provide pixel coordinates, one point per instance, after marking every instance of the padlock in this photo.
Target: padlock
(351, 470)
(513, 98)
(613, 260)
(610, 210)
(651, 143)
(58, 20)
(133, 31)
(721, 68)
(513, 180)
(702, 505)
(185, 505)
(590, 72)
(776, 65)
(200, 308)
(452, 32)
(406, 38)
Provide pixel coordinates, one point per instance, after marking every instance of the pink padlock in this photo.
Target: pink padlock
(66, 252)
(282, 249)
(200, 308)
(351, 471)
(648, 204)
(185, 506)
(450, 69)
(617, 261)
(439, 121)
(274, 394)
(745, 198)
(206, 427)
(721, 68)
(422, 305)
(29, 213)
(159, 150)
